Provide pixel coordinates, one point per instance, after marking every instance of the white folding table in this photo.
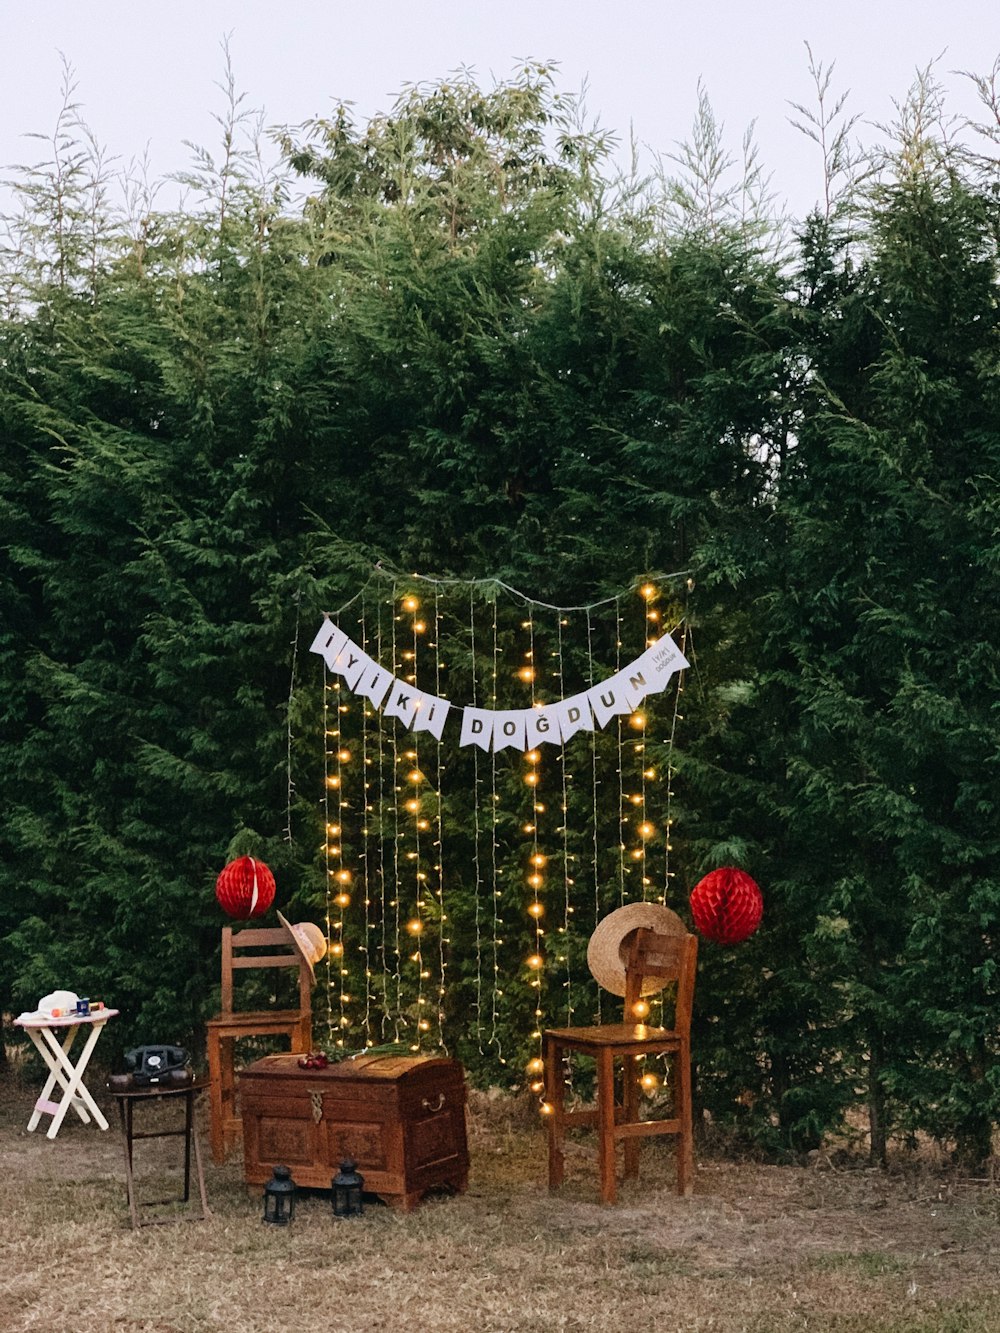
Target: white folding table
(63, 1072)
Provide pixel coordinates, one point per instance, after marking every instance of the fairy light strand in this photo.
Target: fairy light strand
(397, 1017)
(383, 879)
(477, 833)
(567, 880)
(595, 858)
(366, 808)
(622, 820)
(668, 874)
(330, 831)
(538, 962)
(443, 932)
(292, 682)
(496, 994)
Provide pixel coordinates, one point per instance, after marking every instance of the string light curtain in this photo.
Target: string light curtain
(454, 902)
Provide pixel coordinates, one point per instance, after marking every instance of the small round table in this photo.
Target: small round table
(127, 1101)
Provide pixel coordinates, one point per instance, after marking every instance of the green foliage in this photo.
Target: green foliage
(471, 351)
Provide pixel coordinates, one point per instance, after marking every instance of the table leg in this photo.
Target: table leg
(75, 1093)
(606, 1123)
(43, 1047)
(555, 1095)
(125, 1116)
(200, 1171)
(188, 1120)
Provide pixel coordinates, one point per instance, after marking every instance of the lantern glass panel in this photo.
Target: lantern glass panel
(348, 1187)
(279, 1197)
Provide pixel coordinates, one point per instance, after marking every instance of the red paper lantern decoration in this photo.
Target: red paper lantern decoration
(245, 888)
(727, 905)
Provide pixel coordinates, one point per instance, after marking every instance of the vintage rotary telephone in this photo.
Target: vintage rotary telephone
(151, 1065)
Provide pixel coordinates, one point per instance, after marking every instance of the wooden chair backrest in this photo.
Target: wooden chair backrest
(667, 958)
(281, 952)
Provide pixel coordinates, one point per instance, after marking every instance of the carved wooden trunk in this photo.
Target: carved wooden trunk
(402, 1119)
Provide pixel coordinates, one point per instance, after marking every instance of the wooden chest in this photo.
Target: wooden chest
(402, 1119)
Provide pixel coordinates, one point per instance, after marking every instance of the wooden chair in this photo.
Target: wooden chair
(667, 957)
(230, 1025)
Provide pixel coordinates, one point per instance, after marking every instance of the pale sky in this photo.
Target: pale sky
(146, 74)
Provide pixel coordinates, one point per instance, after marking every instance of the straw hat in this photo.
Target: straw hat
(607, 951)
(309, 941)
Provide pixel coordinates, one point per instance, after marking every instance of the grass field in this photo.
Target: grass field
(758, 1248)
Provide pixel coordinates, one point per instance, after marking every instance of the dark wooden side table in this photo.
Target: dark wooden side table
(126, 1109)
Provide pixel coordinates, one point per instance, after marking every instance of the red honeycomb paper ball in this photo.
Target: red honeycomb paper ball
(727, 905)
(245, 888)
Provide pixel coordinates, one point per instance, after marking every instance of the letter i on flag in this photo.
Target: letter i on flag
(430, 714)
(328, 642)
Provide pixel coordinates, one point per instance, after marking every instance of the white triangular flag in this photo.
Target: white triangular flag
(541, 726)
(477, 727)
(375, 684)
(402, 702)
(430, 714)
(574, 715)
(508, 729)
(608, 700)
(659, 663)
(351, 662)
(328, 641)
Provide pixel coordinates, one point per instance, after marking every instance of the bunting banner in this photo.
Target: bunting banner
(517, 728)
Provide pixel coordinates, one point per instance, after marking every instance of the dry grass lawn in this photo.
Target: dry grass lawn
(758, 1248)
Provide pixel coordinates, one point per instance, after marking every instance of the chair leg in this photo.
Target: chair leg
(555, 1095)
(630, 1110)
(216, 1133)
(606, 1124)
(682, 1103)
(302, 1040)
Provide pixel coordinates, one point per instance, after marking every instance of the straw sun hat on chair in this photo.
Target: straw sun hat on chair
(607, 951)
(309, 940)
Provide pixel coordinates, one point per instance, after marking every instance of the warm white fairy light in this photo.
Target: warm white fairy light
(366, 808)
(416, 925)
(477, 866)
(620, 769)
(328, 850)
(668, 874)
(496, 992)
(397, 1016)
(595, 858)
(443, 928)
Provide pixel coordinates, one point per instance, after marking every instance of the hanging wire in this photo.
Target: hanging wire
(477, 834)
(595, 859)
(343, 874)
(290, 781)
(398, 975)
(668, 874)
(366, 807)
(330, 831)
(382, 877)
(419, 874)
(495, 1008)
(567, 879)
(491, 584)
(537, 860)
(443, 941)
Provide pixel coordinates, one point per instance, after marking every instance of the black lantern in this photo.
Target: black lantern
(279, 1197)
(347, 1186)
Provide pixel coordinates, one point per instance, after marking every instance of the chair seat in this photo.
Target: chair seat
(638, 1036)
